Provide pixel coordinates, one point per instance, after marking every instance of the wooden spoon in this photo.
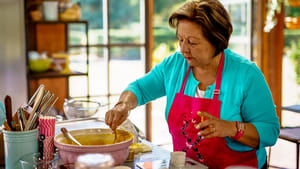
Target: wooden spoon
(69, 136)
(8, 110)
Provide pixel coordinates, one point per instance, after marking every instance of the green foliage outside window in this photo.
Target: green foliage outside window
(165, 41)
(295, 57)
(292, 41)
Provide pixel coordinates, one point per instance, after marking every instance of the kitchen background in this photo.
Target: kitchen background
(113, 44)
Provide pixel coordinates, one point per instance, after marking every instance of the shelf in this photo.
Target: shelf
(52, 37)
(56, 22)
(53, 74)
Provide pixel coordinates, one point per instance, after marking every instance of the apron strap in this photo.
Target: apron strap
(184, 81)
(219, 77)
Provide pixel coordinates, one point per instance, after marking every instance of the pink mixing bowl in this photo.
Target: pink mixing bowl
(118, 150)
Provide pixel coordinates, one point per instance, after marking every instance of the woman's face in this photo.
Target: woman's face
(193, 45)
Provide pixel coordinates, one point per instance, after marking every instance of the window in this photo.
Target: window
(116, 51)
(165, 43)
(240, 14)
(291, 66)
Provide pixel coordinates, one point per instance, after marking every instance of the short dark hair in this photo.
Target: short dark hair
(211, 16)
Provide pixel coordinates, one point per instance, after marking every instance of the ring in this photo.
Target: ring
(214, 129)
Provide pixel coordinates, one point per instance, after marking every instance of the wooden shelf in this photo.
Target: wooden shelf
(53, 74)
(56, 22)
(53, 37)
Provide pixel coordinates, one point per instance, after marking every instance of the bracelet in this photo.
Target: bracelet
(123, 102)
(240, 130)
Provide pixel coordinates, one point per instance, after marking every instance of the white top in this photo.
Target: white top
(200, 93)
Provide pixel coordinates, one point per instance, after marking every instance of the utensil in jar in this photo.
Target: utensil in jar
(8, 111)
(69, 136)
(21, 118)
(46, 103)
(36, 104)
(33, 123)
(30, 102)
(50, 107)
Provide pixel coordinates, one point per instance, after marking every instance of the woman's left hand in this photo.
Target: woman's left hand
(215, 127)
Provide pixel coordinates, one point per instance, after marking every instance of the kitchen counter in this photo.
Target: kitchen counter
(159, 158)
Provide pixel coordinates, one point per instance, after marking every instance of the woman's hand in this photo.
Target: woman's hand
(116, 116)
(215, 127)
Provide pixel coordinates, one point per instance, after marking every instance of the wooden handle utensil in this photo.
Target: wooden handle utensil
(69, 136)
(8, 111)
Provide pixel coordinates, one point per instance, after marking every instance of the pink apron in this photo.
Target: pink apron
(213, 152)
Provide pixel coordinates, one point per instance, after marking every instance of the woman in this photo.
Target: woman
(219, 108)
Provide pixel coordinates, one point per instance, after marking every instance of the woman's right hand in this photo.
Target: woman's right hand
(116, 116)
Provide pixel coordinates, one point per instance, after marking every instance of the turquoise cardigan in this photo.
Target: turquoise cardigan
(245, 95)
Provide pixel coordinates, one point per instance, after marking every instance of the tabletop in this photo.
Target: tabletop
(293, 108)
(158, 158)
